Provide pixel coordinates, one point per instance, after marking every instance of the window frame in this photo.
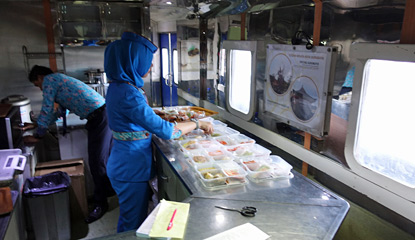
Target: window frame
(361, 53)
(244, 46)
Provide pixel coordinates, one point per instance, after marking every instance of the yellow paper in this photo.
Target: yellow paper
(163, 217)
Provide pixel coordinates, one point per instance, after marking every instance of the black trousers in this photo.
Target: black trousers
(99, 148)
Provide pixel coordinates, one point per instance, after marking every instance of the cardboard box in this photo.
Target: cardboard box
(77, 193)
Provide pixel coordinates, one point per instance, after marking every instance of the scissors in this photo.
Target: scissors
(246, 211)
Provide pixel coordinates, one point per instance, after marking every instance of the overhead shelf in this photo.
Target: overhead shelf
(92, 20)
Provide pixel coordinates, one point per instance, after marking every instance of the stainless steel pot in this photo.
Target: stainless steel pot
(97, 77)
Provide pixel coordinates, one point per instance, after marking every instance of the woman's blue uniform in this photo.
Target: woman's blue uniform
(133, 122)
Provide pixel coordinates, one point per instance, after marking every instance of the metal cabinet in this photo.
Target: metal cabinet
(96, 20)
(170, 187)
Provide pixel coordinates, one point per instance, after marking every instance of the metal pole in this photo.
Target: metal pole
(170, 76)
(203, 28)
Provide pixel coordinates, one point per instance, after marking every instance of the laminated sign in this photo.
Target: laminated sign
(299, 86)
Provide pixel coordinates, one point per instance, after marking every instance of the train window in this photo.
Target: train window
(240, 80)
(175, 67)
(383, 142)
(165, 63)
(222, 62)
(240, 77)
(378, 144)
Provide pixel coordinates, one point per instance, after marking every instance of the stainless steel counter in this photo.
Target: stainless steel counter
(294, 208)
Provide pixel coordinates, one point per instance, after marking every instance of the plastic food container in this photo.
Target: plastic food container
(211, 175)
(218, 153)
(221, 131)
(258, 170)
(281, 167)
(195, 134)
(189, 145)
(231, 143)
(215, 123)
(218, 176)
(208, 143)
(242, 139)
(207, 119)
(199, 157)
(225, 141)
(236, 174)
(261, 169)
(249, 151)
(207, 167)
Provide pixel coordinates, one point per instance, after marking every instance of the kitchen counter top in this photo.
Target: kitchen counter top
(295, 208)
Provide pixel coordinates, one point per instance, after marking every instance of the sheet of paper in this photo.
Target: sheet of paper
(164, 216)
(245, 231)
(144, 229)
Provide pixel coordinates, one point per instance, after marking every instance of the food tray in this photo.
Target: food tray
(183, 113)
(219, 153)
(281, 167)
(208, 112)
(219, 176)
(197, 157)
(195, 134)
(233, 142)
(215, 123)
(189, 145)
(264, 169)
(249, 151)
(208, 143)
(221, 131)
(207, 167)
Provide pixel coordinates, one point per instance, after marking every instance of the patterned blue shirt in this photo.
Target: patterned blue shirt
(69, 93)
(348, 82)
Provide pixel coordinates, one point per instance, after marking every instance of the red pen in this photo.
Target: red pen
(171, 220)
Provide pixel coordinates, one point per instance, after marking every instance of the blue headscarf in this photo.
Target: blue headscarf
(129, 59)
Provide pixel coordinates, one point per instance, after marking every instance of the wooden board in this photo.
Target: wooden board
(208, 113)
(4, 109)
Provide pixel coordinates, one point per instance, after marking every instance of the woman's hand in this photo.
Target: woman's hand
(206, 126)
(189, 126)
(158, 112)
(26, 126)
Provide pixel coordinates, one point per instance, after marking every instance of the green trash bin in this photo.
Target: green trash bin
(47, 200)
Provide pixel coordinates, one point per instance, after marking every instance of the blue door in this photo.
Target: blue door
(169, 69)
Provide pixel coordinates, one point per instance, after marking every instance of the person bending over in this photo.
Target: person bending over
(79, 98)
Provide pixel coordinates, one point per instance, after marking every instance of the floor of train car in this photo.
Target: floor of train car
(359, 224)
(107, 225)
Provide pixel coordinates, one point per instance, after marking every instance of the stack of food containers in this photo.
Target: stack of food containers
(227, 158)
(221, 175)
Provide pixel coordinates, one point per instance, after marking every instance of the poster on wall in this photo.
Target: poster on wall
(299, 86)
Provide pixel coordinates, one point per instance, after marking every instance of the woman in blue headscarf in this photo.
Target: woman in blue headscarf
(132, 121)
